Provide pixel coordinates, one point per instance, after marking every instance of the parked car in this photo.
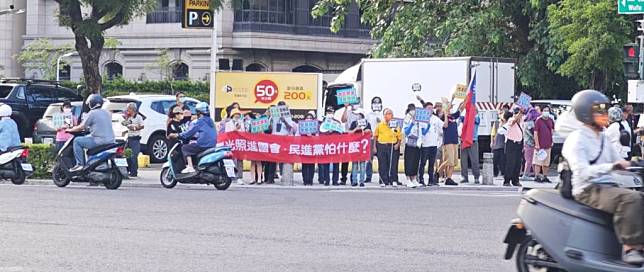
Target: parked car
(44, 130)
(30, 98)
(154, 110)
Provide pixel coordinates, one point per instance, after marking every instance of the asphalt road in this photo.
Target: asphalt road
(196, 228)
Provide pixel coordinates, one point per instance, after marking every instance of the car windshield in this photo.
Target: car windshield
(5, 91)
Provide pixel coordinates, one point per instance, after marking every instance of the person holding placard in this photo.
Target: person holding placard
(236, 124)
(430, 142)
(256, 167)
(68, 121)
(414, 131)
(348, 117)
(387, 141)
(325, 168)
(308, 169)
(359, 168)
(450, 142)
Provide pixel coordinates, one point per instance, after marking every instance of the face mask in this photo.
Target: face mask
(545, 115)
(376, 107)
(354, 107)
(601, 120)
(329, 115)
(182, 100)
(67, 110)
(412, 112)
(430, 110)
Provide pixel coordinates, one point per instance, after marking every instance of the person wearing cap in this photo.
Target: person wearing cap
(69, 121)
(308, 169)
(236, 124)
(387, 138)
(134, 124)
(359, 168)
(513, 148)
(177, 125)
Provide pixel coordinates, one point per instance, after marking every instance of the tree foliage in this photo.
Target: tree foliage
(42, 55)
(556, 52)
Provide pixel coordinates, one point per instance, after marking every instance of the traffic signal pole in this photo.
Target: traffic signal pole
(641, 42)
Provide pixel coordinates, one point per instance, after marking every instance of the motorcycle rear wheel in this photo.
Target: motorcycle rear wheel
(223, 183)
(115, 180)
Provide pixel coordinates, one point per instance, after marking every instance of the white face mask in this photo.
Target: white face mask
(67, 110)
(329, 115)
(545, 114)
(412, 112)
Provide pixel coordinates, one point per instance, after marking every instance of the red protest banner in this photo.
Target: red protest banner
(298, 149)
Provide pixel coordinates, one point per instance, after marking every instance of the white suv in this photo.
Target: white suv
(154, 110)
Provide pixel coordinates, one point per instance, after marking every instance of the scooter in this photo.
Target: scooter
(214, 166)
(105, 165)
(554, 233)
(14, 166)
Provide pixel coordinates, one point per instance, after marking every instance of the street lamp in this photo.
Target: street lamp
(58, 64)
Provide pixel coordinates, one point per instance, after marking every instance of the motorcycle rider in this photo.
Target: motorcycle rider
(99, 123)
(9, 136)
(592, 158)
(206, 132)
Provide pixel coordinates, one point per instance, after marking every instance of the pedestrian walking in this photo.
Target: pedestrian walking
(498, 144)
(513, 147)
(470, 155)
(413, 132)
(308, 169)
(359, 168)
(387, 136)
(134, 124)
(543, 131)
(528, 143)
(374, 117)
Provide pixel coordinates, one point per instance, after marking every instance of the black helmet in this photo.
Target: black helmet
(95, 101)
(583, 103)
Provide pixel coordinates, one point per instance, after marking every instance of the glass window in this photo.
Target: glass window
(5, 91)
(62, 95)
(40, 94)
(20, 94)
(191, 105)
(162, 107)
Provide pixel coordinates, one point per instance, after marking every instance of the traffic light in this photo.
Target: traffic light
(631, 61)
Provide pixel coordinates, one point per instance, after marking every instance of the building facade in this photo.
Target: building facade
(12, 28)
(258, 35)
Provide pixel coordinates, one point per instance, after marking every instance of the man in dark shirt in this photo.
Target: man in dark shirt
(450, 143)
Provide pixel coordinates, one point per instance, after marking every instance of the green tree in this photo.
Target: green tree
(589, 35)
(89, 19)
(42, 55)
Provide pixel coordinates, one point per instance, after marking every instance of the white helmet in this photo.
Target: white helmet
(5, 110)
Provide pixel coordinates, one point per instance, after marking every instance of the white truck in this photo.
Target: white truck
(399, 80)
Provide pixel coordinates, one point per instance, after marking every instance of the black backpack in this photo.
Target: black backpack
(624, 137)
(565, 174)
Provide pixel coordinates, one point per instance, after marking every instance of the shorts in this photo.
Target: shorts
(545, 162)
(450, 154)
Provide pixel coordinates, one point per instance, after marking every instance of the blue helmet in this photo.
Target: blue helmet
(202, 107)
(94, 101)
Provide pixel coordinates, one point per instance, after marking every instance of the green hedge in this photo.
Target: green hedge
(42, 158)
(197, 89)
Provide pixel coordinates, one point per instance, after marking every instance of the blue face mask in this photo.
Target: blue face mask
(182, 100)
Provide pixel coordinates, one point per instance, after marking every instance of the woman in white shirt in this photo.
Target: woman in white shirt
(619, 132)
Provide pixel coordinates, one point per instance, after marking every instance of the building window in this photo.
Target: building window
(306, 69)
(113, 70)
(65, 72)
(224, 64)
(238, 65)
(265, 11)
(166, 12)
(255, 67)
(180, 71)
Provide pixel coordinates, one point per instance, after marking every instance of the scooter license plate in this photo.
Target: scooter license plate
(228, 163)
(27, 167)
(120, 162)
(230, 172)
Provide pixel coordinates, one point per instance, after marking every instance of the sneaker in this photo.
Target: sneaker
(354, 184)
(476, 181)
(76, 168)
(188, 170)
(361, 184)
(382, 185)
(465, 181)
(240, 182)
(449, 181)
(506, 184)
(634, 257)
(410, 184)
(516, 184)
(367, 181)
(526, 178)
(546, 180)
(394, 184)
(418, 184)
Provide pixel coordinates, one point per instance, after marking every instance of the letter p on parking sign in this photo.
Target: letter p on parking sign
(197, 14)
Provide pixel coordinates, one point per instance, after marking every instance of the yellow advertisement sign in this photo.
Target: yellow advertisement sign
(258, 90)
(197, 4)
